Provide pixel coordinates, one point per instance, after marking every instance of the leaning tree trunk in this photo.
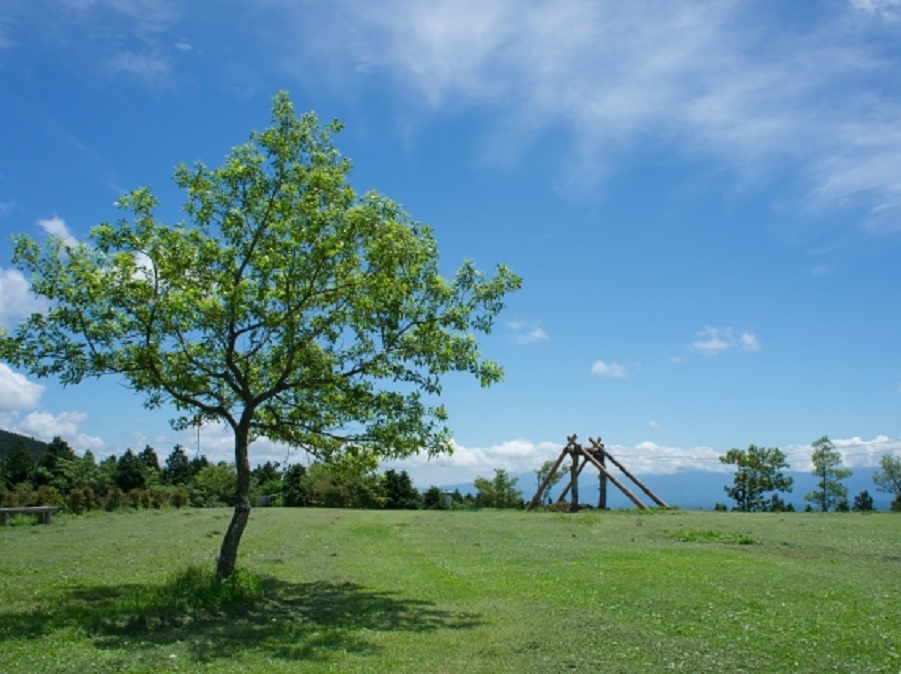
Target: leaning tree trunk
(228, 555)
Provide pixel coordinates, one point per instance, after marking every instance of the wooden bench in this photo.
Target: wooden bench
(44, 513)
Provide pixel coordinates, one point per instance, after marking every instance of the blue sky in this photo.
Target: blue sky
(703, 199)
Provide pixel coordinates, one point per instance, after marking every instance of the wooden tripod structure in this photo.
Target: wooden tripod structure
(595, 454)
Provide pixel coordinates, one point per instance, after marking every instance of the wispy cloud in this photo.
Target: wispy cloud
(525, 332)
(117, 39)
(149, 67)
(712, 341)
(56, 226)
(609, 370)
(7, 28)
(731, 81)
(889, 10)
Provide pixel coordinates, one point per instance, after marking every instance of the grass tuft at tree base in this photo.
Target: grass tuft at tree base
(186, 595)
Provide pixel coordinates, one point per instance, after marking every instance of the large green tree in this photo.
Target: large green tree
(285, 306)
(827, 461)
(758, 471)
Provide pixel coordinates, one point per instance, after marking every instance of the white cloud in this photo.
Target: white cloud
(712, 341)
(16, 392)
(16, 300)
(56, 226)
(608, 370)
(722, 80)
(526, 332)
(644, 458)
(749, 342)
(67, 425)
(151, 68)
(856, 452)
(467, 463)
(217, 443)
(885, 9)
(8, 26)
(655, 426)
(524, 456)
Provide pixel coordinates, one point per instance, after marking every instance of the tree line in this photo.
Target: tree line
(57, 476)
(760, 479)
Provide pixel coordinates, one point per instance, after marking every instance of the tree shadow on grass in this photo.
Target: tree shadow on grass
(305, 621)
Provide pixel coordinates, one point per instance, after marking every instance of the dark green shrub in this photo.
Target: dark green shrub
(179, 498)
(77, 501)
(896, 504)
(133, 498)
(47, 495)
(158, 498)
(863, 502)
(115, 499)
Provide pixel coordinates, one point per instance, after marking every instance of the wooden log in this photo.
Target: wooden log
(574, 480)
(625, 490)
(547, 478)
(599, 447)
(602, 485)
(569, 484)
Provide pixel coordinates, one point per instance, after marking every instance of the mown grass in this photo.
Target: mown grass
(376, 591)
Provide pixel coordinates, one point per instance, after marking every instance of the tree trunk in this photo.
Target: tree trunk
(228, 554)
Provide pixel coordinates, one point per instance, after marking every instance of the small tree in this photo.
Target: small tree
(18, 467)
(177, 470)
(758, 471)
(343, 484)
(294, 491)
(400, 494)
(48, 469)
(863, 502)
(542, 473)
(151, 463)
(432, 499)
(130, 472)
(288, 307)
(214, 485)
(500, 492)
(827, 466)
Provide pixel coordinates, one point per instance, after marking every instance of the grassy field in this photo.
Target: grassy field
(432, 591)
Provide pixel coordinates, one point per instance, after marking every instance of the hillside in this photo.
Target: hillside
(8, 440)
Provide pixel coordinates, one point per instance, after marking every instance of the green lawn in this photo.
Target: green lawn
(377, 591)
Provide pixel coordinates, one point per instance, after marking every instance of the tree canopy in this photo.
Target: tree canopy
(827, 461)
(888, 477)
(500, 492)
(758, 470)
(285, 306)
